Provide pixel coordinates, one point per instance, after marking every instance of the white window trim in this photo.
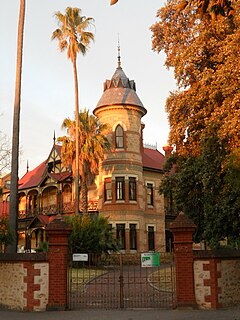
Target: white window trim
(151, 225)
(149, 182)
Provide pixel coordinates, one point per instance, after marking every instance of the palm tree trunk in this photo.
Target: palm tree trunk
(15, 133)
(84, 195)
(77, 137)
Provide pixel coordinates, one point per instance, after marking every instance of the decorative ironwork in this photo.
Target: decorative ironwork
(119, 281)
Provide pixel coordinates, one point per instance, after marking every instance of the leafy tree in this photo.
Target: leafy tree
(91, 235)
(207, 188)
(15, 133)
(204, 116)
(73, 37)
(207, 72)
(6, 237)
(92, 145)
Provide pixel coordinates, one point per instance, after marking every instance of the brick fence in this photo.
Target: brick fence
(204, 279)
(38, 282)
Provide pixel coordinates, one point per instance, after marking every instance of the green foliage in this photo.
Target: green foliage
(93, 144)
(207, 189)
(6, 237)
(203, 115)
(91, 235)
(42, 247)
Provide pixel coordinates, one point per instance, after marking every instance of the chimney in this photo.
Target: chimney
(168, 150)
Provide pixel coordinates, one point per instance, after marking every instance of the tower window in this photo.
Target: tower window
(119, 136)
(120, 188)
(132, 189)
(107, 190)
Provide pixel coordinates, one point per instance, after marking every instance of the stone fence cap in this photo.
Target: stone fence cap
(182, 222)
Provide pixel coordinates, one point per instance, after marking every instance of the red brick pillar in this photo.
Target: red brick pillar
(57, 232)
(183, 229)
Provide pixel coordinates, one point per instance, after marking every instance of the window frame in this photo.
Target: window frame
(133, 236)
(132, 183)
(151, 238)
(108, 196)
(120, 188)
(150, 194)
(121, 235)
(119, 137)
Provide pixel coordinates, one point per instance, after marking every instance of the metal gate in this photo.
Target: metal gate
(120, 281)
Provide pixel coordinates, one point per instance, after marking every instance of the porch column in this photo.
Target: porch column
(57, 232)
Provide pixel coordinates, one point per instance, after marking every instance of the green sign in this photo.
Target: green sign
(150, 259)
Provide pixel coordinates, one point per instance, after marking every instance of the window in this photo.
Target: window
(151, 241)
(107, 189)
(132, 189)
(150, 194)
(121, 239)
(133, 236)
(119, 135)
(120, 188)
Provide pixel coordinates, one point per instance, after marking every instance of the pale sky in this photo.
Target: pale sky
(47, 78)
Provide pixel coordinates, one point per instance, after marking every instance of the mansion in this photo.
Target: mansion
(125, 189)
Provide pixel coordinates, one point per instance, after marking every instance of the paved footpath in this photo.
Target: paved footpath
(150, 314)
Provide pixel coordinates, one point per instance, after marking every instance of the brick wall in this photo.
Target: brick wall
(37, 282)
(204, 279)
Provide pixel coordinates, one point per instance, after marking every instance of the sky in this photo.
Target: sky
(47, 96)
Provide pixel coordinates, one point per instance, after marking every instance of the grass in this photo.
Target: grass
(80, 277)
(163, 279)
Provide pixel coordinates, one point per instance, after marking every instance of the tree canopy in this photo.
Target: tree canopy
(204, 115)
(93, 144)
(91, 235)
(206, 68)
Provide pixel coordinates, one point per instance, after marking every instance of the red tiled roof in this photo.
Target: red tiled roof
(43, 219)
(153, 159)
(60, 176)
(32, 178)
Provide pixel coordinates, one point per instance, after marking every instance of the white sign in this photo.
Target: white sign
(150, 259)
(80, 257)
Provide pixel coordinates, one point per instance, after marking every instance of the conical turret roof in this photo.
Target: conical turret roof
(120, 91)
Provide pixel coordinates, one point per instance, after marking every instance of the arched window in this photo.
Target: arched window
(119, 135)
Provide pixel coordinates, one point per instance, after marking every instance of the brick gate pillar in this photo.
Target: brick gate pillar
(57, 233)
(183, 229)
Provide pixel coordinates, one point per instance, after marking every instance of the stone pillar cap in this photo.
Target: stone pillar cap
(182, 222)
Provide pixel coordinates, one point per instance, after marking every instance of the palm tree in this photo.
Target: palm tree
(72, 35)
(93, 145)
(15, 134)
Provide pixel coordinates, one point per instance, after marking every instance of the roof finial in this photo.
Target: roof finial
(119, 57)
(54, 138)
(27, 166)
